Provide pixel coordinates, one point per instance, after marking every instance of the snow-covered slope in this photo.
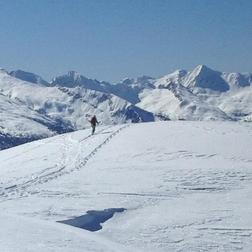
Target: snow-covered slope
(176, 102)
(126, 92)
(237, 80)
(129, 89)
(212, 94)
(176, 77)
(30, 77)
(69, 100)
(196, 90)
(66, 108)
(184, 186)
(200, 94)
(74, 79)
(19, 124)
(237, 104)
(204, 77)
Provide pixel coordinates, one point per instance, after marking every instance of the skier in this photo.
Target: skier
(93, 122)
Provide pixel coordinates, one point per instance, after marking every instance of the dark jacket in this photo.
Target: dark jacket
(94, 121)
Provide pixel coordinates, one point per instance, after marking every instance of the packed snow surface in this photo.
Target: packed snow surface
(184, 186)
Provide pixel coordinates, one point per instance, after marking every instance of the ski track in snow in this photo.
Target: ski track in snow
(159, 177)
(18, 190)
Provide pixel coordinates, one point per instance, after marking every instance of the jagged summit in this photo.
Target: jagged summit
(139, 82)
(74, 76)
(200, 78)
(202, 67)
(204, 77)
(74, 79)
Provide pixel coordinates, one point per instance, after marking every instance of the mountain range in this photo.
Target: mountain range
(33, 108)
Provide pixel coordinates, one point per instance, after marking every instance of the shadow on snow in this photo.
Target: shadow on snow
(92, 220)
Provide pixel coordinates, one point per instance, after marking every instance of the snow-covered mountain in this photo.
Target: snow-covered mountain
(20, 124)
(66, 103)
(237, 80)
(74, 79)
(129, 89)
(200, 94)
(177, 77)
(204, 77)
(176, 102)
(66, 108)
(30, 77)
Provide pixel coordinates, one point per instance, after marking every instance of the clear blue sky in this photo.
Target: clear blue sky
(112, 39)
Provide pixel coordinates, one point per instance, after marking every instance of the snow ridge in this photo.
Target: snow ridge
(29, 77)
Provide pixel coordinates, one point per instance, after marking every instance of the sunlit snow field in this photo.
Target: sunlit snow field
(183, 186)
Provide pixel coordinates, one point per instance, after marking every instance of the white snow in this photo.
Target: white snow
(186, 186)
(17, 119)
(177, 77)
(30, 77)
(160, 101)
(200, 94)
(35, 110)
(68, 104)
(177, 102)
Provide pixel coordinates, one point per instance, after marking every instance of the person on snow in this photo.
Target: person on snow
(93, 122)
